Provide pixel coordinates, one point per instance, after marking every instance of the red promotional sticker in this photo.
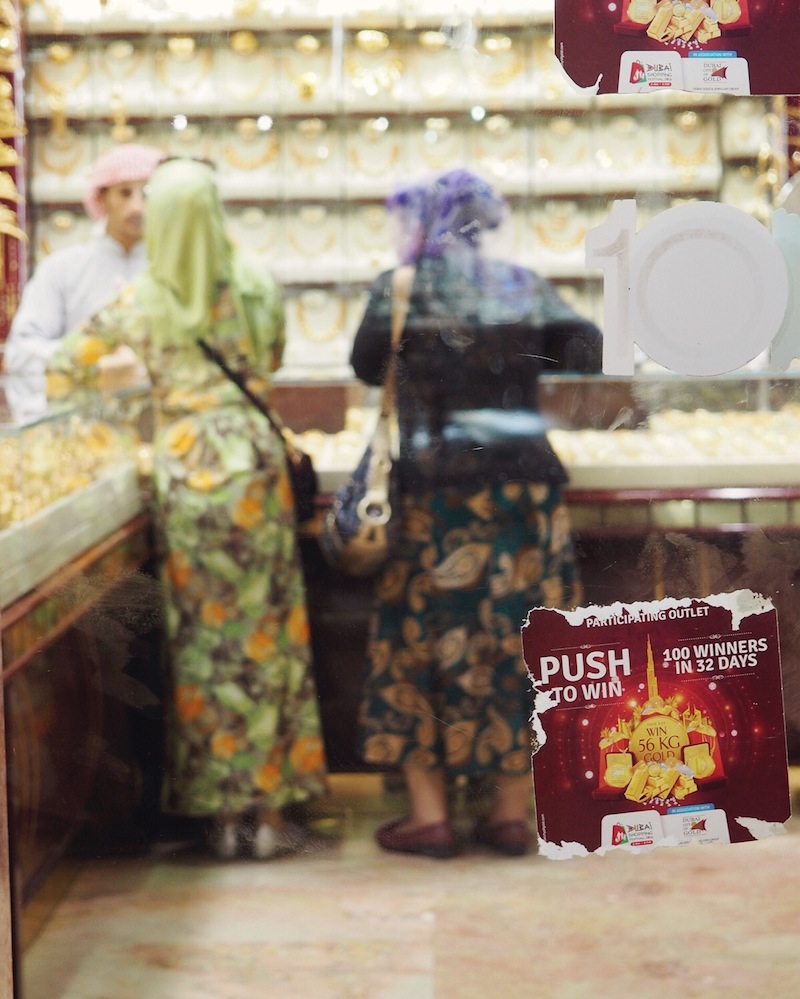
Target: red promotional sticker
(659, 724)
(703, 46)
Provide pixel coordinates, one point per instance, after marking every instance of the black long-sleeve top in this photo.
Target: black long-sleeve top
(468, 364)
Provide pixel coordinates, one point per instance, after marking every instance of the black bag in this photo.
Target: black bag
(356, 534)
(302, 474)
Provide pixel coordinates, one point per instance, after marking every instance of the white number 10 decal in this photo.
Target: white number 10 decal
(702, 289)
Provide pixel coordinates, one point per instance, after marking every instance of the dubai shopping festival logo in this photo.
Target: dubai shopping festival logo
(651, 74)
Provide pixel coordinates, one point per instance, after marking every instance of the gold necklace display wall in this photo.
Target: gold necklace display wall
(314, 111)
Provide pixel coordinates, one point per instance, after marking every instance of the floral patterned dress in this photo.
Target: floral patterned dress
(242, 725)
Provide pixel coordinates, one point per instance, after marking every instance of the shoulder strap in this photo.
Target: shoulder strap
(402, 282)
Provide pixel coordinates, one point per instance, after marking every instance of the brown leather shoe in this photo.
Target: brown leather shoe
(437, 840)
(510, 838)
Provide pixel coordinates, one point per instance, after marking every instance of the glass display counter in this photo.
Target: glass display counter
(74, 539)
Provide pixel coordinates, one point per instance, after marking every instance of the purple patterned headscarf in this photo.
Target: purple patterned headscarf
(452, 210)
(447, 216)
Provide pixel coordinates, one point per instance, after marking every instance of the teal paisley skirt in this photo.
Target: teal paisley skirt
(446, 684)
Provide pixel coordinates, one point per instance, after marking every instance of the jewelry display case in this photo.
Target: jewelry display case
(314, 111)
(67, 479)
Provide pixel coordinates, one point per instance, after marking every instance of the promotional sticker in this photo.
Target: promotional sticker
(702, 46)
(658, 724)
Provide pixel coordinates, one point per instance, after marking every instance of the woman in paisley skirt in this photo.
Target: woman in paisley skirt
(484, 534)
(242, 726)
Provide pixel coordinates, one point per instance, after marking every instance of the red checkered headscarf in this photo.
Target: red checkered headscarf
(126, 163)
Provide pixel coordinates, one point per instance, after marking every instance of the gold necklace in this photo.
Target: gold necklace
(325, 242)
(121, 60)
(371, 231)
(545, 236)
(501, 75)
(316, 66)
(245, 53)
(445, 156)
(183, 56)
(563, 133)
(263, 158)
(66, 143)
(370, 165)
(305, 322)
(688, 129)
(316, 158)
(248, 223)
(376, 79)
(59, 55)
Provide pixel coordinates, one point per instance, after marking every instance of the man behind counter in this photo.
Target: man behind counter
(71, 284)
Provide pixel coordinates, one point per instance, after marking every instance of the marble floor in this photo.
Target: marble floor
(345, 921)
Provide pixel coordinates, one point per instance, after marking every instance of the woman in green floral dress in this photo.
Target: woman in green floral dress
(242, 726)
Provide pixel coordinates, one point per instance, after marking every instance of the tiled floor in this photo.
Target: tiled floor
(344, 921)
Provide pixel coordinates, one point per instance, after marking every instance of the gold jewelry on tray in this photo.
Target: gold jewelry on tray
(307, 323)
(60, 54)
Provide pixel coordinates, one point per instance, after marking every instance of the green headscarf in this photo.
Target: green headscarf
(190, 261)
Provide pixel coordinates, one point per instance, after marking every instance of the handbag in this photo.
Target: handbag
(355, 537)
(302, 474)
